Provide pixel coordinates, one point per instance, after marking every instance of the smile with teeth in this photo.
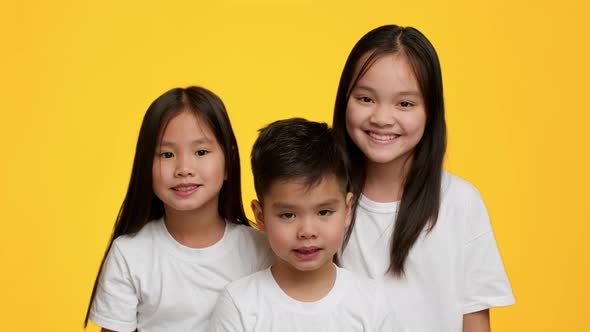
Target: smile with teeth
(378, 137)
(185, 188)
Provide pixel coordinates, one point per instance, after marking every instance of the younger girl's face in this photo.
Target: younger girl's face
(385, 115)
(189, 165)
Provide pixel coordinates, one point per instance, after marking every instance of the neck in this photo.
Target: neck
(199, 228)
(385, 182)
(305, 286)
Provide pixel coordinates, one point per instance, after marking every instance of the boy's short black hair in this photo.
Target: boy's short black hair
(296, 148)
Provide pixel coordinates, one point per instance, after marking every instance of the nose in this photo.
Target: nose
(382, 116)
(184, 167)
(307, 230)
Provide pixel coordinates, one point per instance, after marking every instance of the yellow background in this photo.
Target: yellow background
(77, 76)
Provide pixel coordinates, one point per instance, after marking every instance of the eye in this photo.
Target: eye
(201, 152)
(406, 104)
(365, 99)
(166, 155)
(287, 215)
(325, 213)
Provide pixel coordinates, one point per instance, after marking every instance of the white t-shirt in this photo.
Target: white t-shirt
(150, 282)
(453, 270)
(257, 303)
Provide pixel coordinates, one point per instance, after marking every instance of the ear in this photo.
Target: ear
(258, 215)
(348, 209)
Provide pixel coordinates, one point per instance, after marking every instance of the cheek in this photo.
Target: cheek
(156, 172)
(278, 238)
(211, 170)
(420, 124)
(336, 235)
(415, 123)
(352, 120)
(218, 168)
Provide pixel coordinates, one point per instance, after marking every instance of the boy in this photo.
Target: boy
(300, 179)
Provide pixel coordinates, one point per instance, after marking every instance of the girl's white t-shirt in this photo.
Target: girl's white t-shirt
(257, 303)
(450, 271)
(150, 282)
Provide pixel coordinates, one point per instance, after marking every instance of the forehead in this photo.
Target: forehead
(299, 192)
(186, 126)
(389, 72)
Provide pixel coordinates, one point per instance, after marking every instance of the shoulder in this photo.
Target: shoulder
(247, 234)
(357, 285)
(252, 245)
(462, 203)
(226, 315)
(459, 194)
(368, 298)
(353, 278)
(137, 244)
(457, 187)
(247, 288)
(251, 281)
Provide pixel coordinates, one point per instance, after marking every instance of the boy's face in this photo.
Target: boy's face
(305, 225)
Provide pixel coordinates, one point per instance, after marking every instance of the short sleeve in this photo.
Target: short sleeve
(115, 303)
(486, 282)
(225, 317)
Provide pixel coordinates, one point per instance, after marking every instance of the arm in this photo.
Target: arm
(485, 282)
(114, 307)
(478, 321)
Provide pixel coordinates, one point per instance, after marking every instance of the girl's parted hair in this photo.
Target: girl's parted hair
(420, 202)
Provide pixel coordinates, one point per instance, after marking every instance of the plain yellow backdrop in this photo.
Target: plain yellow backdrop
(77, 76)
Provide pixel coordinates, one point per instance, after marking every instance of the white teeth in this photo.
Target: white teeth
(185, 188)
(382, 137)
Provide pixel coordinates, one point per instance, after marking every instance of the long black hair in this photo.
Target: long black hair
(141, 205)
(420, 202)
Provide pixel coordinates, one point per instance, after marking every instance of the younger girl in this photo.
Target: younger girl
(181, 234)
(423, 231)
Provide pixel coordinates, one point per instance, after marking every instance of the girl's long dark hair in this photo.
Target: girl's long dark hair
(420, 202)
(141, 205)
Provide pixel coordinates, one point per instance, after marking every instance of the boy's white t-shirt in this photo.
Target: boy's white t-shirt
(150, 282)
(450, 271)
(257, 303)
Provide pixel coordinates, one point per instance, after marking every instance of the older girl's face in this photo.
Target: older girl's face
(385, 114)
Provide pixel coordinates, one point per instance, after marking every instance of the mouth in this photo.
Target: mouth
(306, 253)
(185, 189)
(382, 137)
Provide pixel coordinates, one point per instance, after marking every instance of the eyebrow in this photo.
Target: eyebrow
(401, 93)
(285, 205)
(203, 140)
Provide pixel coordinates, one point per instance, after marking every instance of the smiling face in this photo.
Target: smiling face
(189, 165)
(386, 115)
(305, 224)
